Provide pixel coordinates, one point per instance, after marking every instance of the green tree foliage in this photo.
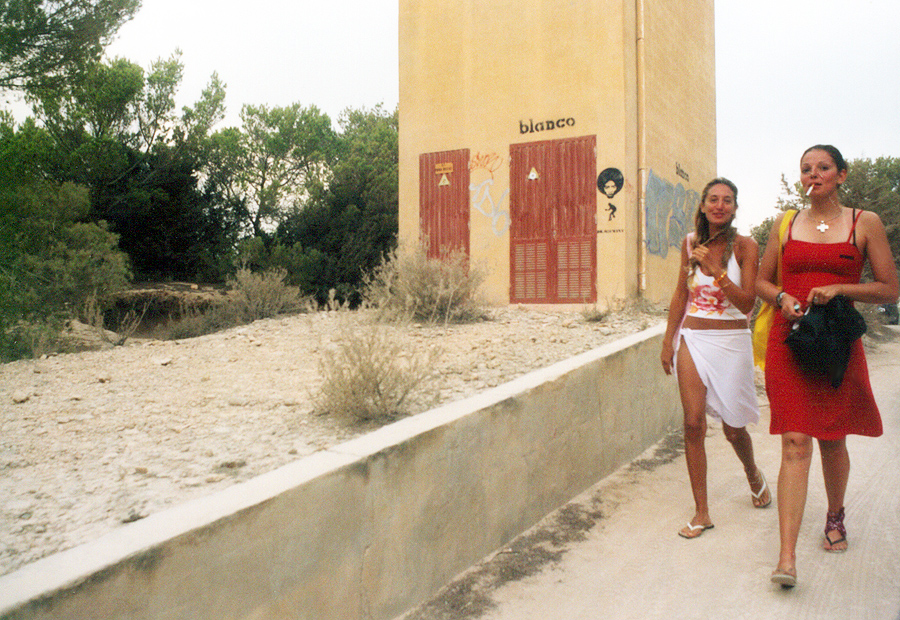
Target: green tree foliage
(100, 106)
(761, 231)
(197, 121)
(276, 160)
(347, 229)
(45, 44)
(875, 186)
(117, 132)
(51, 259)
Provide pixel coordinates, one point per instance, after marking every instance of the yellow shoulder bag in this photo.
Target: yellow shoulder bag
(767, 312)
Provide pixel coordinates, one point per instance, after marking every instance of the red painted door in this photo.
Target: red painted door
(553, 208)
(444, 201)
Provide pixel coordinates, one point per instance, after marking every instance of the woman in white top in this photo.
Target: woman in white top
(708, 343)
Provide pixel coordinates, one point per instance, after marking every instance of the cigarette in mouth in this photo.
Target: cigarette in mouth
(808, 190)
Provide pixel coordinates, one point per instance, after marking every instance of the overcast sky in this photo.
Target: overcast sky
(789, 73)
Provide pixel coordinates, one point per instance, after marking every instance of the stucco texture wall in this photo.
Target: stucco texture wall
(681, 129)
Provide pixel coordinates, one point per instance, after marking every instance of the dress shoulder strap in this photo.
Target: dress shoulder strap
(852, 234)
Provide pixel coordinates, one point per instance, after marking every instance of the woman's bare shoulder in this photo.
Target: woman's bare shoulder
(869, 218)
(869, 225)
(746, 243)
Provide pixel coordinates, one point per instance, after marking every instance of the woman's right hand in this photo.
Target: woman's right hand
(703, 257)
(791, 309)
(667, 357)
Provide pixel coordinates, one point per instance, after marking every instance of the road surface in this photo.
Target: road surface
(613, 553)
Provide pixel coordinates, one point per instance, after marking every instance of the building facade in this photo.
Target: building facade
(560, 143)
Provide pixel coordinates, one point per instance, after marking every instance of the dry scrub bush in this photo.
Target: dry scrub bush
(191, 322)
(409, 285)
(368, 374)
(595, 314)
(263, 295)
(253, 296)
(94, 314)
(33, 339)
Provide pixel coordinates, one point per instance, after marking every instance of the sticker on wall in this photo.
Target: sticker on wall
(443, 169)
(610, 182)
(533, 175)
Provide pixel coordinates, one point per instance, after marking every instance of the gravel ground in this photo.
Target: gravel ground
(91, 440)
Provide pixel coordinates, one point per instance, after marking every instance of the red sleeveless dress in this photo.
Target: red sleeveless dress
(801, 401)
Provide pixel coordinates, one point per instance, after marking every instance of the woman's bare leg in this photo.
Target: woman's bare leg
(740, 440)
(693, 401)
(836, 471)
(793, 480)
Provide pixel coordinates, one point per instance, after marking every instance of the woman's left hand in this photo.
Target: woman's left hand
(821, 295)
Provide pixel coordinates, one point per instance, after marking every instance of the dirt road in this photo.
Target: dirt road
(613, 553)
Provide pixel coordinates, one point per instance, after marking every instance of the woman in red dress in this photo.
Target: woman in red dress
(822, 257)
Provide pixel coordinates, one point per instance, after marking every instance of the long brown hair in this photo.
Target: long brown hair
(701, 224)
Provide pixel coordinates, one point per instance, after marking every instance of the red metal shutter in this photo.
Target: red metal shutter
(576, 232)
(530, 280)
(444, 201)
(529, 222)
(575, 271)
(553, 210)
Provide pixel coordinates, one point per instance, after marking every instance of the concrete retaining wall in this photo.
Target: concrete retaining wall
(373, 526)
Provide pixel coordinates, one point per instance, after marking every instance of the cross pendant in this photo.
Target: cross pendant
(822, 227)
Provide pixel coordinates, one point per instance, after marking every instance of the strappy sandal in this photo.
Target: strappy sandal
(834, 522)
(758, 501)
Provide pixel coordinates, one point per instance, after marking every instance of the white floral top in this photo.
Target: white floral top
(707, 300)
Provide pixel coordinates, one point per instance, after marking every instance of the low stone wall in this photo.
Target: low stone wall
(374, 526)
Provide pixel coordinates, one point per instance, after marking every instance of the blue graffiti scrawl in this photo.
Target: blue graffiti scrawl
(669, 209)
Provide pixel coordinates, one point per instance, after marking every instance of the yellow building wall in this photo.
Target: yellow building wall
(486, 74)
(680, 115)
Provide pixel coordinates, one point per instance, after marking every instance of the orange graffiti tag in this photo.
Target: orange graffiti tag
(485, 161)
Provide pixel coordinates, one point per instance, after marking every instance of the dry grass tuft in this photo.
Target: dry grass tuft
(368, 373)
(252, 296)
(408, 285)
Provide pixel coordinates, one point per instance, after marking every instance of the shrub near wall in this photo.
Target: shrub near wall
(252, 296)
(410, 285)
(368, 374)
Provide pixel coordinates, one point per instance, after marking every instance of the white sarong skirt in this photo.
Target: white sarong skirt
(724, 361)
